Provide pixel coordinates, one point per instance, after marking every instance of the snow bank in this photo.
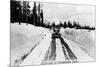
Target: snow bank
(85, 39)
(23, 38)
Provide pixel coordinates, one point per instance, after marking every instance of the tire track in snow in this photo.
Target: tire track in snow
(81, 55)
(59, 51)
(65, 53)
(70, 53)
(51, 53)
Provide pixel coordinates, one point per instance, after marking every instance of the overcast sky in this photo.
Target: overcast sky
(60, 12)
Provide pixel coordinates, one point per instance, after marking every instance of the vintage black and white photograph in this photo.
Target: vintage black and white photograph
(45, 33)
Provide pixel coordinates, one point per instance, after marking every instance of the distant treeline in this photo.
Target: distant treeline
(73, 24)
(21, 13)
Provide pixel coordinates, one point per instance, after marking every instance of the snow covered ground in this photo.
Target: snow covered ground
(85, 39)
(23, 38)
(42, 49)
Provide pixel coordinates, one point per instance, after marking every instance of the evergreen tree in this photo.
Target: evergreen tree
(25, 11)
(41, 14)
(65, 24)
(34, 14)
(38, 16)
(69, 24)
(74, 24)
(15, 11)
(60, 25)
(78, 26)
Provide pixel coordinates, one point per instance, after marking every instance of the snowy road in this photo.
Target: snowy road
(55, 50)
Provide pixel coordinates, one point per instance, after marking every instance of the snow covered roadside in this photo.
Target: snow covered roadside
(23, 38)
(37, 55)
(79, 53)
(85, 39)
